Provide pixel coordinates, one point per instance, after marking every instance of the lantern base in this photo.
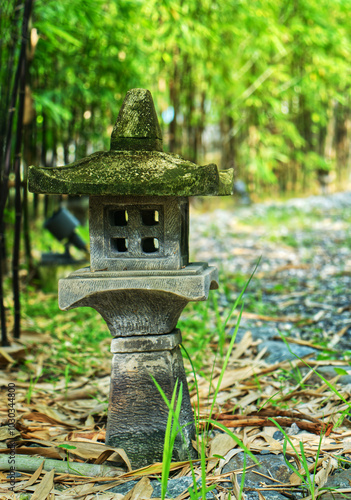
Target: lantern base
(137, 416)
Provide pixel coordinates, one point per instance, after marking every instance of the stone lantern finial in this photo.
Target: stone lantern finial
(137, 127)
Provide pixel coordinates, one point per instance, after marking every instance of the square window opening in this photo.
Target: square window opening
(150, 217)
(118, 217)
(150, 245)
(119, 245)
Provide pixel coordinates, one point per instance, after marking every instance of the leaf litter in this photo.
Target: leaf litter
(49, 422)
(60, 427)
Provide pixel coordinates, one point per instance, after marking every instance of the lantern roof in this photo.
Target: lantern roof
(135, 165)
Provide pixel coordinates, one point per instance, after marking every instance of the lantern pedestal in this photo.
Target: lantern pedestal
(137, 416)
(141, 310)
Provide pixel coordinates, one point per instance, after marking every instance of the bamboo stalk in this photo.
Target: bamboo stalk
(4, 339)
(30, 464)
(18, 212)
(5, 96)
(4, 190)
(17, 171)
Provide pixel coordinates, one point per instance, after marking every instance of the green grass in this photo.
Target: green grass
(174, 408)
(82, 336)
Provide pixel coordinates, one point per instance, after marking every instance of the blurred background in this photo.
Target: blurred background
(262, 86)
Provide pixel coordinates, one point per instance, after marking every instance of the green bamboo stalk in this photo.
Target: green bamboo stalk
(25, 463)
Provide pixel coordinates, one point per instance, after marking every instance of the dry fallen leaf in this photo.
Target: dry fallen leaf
(32, 479)
(220, 445)
(236, 489)
(7, 433)
(141, 491)
(328, 466)
(44, 487)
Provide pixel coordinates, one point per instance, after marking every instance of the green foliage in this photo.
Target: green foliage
(266, 74)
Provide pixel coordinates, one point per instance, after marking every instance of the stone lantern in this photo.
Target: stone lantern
(139, 278)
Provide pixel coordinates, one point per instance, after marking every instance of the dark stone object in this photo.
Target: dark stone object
(138, 232)
(139, 278)
(270, 464)
(340, 479)
(134, 393)
(278, 435)
(268, 495)
(329, 372)
(175, 487)
(136, 129)
(137, 303)
(258, 333)
(277, 351)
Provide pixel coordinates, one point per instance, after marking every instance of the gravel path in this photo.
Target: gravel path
(302, 288)
(305, 268)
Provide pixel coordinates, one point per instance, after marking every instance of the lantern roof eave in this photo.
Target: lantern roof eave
(139, 173)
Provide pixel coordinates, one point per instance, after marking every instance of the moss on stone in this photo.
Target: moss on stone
(137, 126)
(135, 165)
(226, 182)
(131, 173)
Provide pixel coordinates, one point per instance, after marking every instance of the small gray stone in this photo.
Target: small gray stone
(277, 351)
(268, 495)
(175, 487)
(124, 488)
(329, 372)
(270, 465)
(258, 333)
(278, 435)
(293, 430)
(340, 479)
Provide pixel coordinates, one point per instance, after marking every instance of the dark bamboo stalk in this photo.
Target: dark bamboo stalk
(8, 141)
(4, 339)
(17, 171)
(8, 72)
(174, 98)
(26, 233)
(18, 213)
(4, 188)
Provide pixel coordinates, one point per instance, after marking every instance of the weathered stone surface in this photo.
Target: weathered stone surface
(277, 351)
(120, 226)
(146, 173)
(270, 464)
(134, 303)
(268, 495)
(137, 126)
(340, 479)
(175, 487)
(138, 415)
(330, 372)
(146, 343)
(136, 164)
(257, 332)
